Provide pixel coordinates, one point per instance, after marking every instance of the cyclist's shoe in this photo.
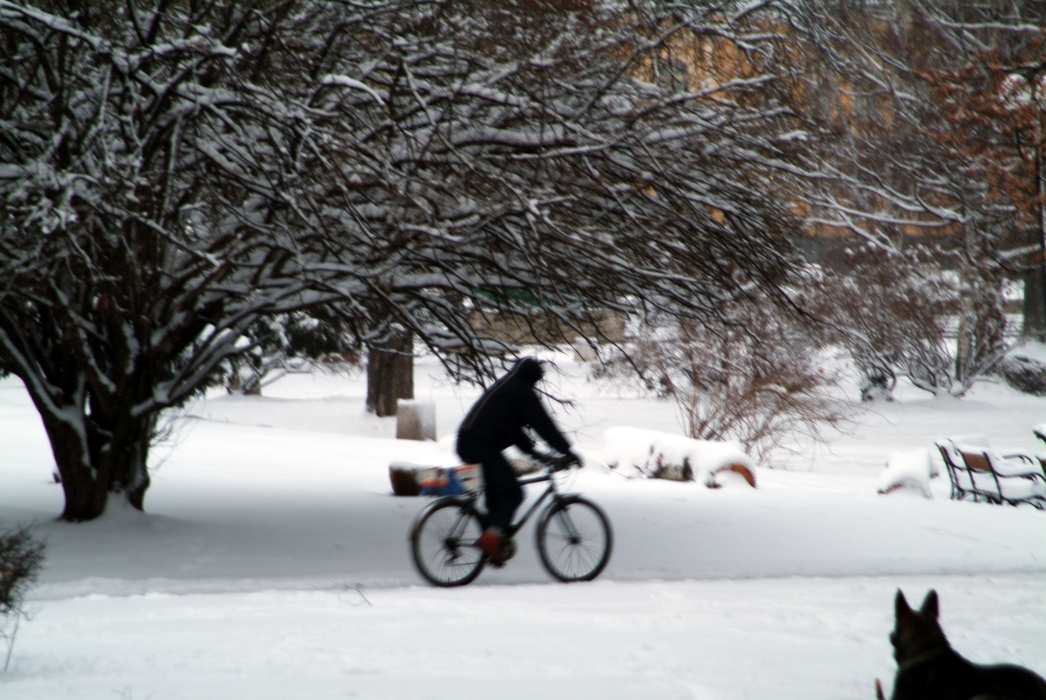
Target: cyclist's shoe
(490, 542)
(507, 548)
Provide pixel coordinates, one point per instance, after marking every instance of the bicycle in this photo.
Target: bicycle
(572, 535)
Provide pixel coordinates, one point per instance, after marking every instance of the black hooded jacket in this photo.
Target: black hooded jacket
(509, 405)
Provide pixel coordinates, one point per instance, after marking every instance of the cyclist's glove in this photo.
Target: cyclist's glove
(567, 460)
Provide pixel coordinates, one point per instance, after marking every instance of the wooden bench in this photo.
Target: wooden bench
(977, 471)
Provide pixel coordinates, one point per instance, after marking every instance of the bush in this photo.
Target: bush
(891, 310)
(21, 558)
(755, 378)
(1024, 374)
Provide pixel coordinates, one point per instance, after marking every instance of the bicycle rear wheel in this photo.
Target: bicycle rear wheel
(442, 543)
(574, 539)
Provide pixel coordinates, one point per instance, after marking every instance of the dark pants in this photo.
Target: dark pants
(504, 494)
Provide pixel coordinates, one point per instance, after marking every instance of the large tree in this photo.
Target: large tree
(173, 173)
(993, 107)
(930, 152)
(938, 109)
(150, 160)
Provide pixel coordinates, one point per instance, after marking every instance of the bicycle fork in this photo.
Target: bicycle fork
(569, 531)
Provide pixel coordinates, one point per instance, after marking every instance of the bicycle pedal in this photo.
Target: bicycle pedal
(507, 549)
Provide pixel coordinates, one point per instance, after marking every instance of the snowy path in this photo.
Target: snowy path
(794, 638)
(241, 508)
(227, 528)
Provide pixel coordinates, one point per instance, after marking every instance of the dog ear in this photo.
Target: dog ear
(900, 605)
(930, 605)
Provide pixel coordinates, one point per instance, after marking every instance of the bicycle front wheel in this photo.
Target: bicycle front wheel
(443, 543)
(574, 539)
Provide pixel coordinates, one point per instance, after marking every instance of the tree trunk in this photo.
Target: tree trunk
(964, 344)
(1035, 303)
(390, 373)
(96, 458)
(1035, 278)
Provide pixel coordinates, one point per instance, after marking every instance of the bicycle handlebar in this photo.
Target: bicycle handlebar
(556, 463)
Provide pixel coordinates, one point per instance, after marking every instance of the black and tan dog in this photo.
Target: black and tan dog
(929, 669)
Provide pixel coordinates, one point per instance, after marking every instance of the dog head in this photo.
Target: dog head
(916, 633)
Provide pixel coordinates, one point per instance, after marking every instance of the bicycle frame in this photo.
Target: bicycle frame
(550, 491)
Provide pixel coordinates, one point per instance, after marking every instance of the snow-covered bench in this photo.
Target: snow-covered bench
(1040, 432)
(979, 472)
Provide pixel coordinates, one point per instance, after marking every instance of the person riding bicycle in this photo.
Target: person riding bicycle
(496, 422)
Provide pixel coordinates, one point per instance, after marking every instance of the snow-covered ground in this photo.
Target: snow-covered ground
(272, 562)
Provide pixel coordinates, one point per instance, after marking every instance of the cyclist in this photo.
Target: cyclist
(495, 422)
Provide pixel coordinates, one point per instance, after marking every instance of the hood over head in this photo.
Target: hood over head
(529, 370)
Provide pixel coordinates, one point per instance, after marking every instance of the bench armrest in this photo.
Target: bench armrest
(1027, 469)
(1022, 455)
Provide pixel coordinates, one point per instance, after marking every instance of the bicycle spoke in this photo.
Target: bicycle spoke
(442, 544)
(574, 540)
(579, 557)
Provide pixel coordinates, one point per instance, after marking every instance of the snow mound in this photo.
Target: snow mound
(909, 470)
(654, 454)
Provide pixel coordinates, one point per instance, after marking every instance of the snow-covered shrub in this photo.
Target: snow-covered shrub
(659, 455)
(911, 470)
(21, 557)
(891, 310)
(754, 378)
(1024, 374)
